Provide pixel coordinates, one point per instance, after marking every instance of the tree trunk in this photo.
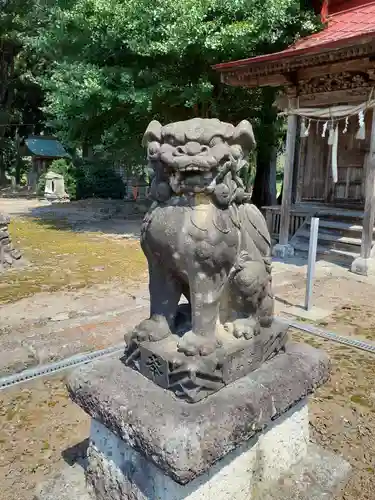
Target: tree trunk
(263, 193)
(18, 158)
(8, 52)
(3, 178)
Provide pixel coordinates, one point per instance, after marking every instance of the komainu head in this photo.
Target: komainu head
(197, 156)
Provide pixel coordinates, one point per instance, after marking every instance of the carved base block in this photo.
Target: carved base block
(194, 378)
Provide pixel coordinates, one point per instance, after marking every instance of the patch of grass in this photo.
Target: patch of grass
(62, 259)
(358, 399)
(301, 319)
(45, 446)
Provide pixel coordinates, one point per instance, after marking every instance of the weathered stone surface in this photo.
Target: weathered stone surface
(364, 267)
(184, 440)
(5, 243)
(115, 471)
(7, 253)
(16, 254)
(319, 476)
(283, 251)
(4, 219)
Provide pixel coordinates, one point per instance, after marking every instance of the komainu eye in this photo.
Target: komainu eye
(215, 141)
(172, 141)
(153, 148)
(236, 151)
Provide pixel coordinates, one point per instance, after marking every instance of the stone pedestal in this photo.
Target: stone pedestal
(116, 467)
(248, 441)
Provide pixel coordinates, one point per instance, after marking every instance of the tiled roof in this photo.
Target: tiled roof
(355, 22)
(46, 147)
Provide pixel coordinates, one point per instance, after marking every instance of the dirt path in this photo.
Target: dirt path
(342, 415)
(40, 429)
(50, 327)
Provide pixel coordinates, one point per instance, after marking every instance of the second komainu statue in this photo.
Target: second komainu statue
(204, 240)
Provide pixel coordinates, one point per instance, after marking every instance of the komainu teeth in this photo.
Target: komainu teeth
(193, 168)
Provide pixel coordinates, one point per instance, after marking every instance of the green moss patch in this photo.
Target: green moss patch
(62, 259)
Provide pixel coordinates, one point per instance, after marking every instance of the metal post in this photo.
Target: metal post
(313, 243)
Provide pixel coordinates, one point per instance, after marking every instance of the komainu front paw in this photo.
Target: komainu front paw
(151, 330)
(243, 328)
(192, 344)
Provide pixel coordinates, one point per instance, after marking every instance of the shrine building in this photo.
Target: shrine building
(328, 96)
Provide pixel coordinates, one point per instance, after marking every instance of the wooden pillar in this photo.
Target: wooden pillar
(288, 176)
(369, 214)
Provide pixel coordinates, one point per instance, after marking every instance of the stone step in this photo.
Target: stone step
(332, 241)
(302, 245)
(354, 217)
(340, 213)
(339, 226)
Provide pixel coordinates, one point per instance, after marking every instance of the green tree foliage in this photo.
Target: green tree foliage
(20, 97)
(86, 179)
(98, 179)
(113, 65)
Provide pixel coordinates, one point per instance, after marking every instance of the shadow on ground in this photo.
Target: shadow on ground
(106, 222)
(77, 453)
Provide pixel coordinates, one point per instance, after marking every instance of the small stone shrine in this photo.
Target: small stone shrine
(54, 190)
(209, 399)
(8, 254)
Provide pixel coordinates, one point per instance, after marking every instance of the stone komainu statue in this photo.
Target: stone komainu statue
(204, 240)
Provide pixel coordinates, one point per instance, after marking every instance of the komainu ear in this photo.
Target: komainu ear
(244, 136)
(153, 133)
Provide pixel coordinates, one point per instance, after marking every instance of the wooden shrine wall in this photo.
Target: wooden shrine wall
(312, 166)
(315, 168)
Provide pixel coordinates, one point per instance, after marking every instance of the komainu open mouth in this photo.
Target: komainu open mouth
(190, 176)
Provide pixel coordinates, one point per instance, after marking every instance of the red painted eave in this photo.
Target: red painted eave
(344, 28)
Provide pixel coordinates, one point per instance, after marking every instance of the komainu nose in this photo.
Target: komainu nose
(192, 149)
